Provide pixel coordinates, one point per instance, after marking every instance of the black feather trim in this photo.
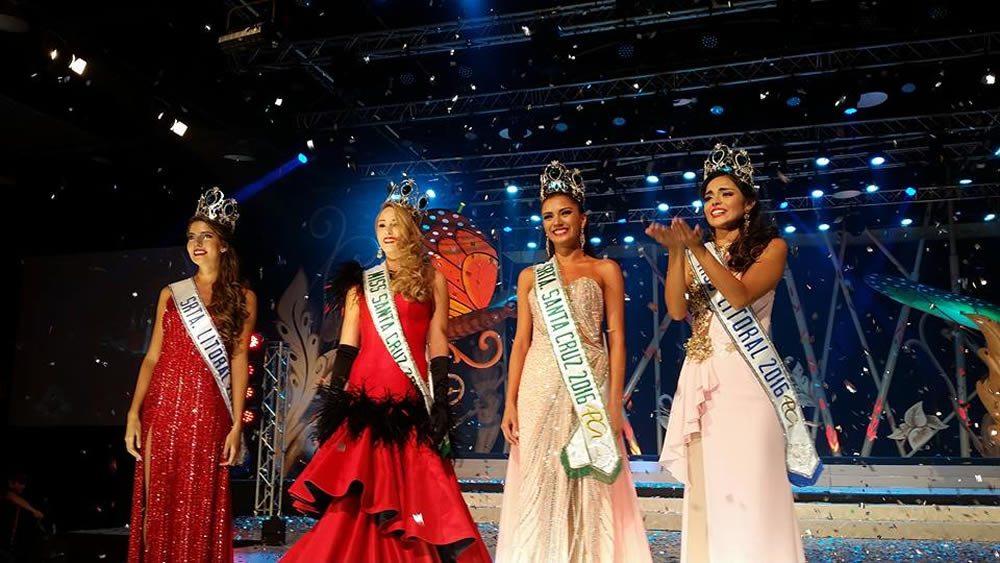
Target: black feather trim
(346, 276)
(390, 421)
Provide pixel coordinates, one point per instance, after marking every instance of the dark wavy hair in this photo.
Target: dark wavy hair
(755, 236)
(588, 248)
(229, 301)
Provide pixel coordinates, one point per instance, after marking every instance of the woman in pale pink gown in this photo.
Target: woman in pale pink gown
(723, 440)
(548, 515)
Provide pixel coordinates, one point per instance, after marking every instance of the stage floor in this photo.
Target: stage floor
(666, 546)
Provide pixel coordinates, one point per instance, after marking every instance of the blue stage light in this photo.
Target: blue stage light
(303, 158)
(783, 205)
(717, 110)
(824, 227)
(652, 179)
(431, 194)
(507, 229)
(850, 111)
(789, 229)
(622, 220)
(822, 161)
(595, 240)
(689, 175)
(817, 193)
(871, 188)
(629, 239)
(989, 217)
(906, 222)
(536, 218)
(910, 191)
(965, 181)
(663, 207)
(877, 160)
(532, 245)
(512, 189)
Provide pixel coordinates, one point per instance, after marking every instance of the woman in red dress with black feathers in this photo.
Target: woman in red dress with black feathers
(379, 483)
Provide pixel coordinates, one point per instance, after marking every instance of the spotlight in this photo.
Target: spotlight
(910, 191)
(783, 205)
(850, 111)
(990, 217)
(824, 227)
(696, 204)
(663, 207)
(871, 188)
(532, 245)
(629, 239)
(248, 416)
(626, 50)
(717, 110)
(536, 219)
(507, 229)
(817, 193)
(822, 161)
(179, 128)
(789, 229)
(989, 79)
(512, 188)
(278, 102)
(303, 158)
(430, 193)
(618, 121)
(561, 127)
(621, 220)
(310, 145)
(690, 175)
(906, 222)
(77, 65)
(256, 341)
(595, 240)
(908, 88)
(54, 54)
(965, 181)
(877, 159)
(793, 101)
(652, 179)
(709, 41)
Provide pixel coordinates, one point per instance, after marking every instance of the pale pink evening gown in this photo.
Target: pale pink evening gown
(747, 512)
(546, 516)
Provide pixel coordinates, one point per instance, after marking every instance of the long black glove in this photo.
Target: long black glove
(342, 363)
(441, 418)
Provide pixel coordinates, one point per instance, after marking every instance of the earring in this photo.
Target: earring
(746, 221)
(583, 241)
(548, 247)
(379, 253)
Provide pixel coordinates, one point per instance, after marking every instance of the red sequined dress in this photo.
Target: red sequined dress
(185, 421)
(381, 490)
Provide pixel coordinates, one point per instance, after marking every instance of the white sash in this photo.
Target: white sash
(754, 344)
(382, 307)
(201, 329)
(592, 448)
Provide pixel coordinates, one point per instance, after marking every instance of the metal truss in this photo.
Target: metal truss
(271, 442)
(829, 202)
(475, 33)
(958, 124)
(583, 93)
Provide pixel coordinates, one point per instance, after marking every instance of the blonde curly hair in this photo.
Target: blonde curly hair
(415, 276)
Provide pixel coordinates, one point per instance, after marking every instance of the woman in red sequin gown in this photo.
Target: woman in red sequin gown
(179, 428)
(378, 483)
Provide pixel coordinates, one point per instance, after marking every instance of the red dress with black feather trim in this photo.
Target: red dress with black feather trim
(378, 485)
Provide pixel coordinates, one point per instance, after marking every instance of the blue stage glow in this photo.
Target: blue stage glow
(850, 111)
(965, 181)
(822, 161)
(536, 218)
(652, 179)
(303, 158)
(824, 227)
(507, 229)
(622, 220)
(431, 194)
(629, 239)
(910, 191)
(877, 160)
(789, 229)
(871, 188)
(817, 193)
(717, 110)
(663, 207)
(532, 245)
(512, 189)
(595, 240)
(689, 175)
(253, 188)
(906, 222)
(783, 205)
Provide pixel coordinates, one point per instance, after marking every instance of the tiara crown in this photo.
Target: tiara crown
(557, 179)
(407, 194)
(214, 206)
(735, 162)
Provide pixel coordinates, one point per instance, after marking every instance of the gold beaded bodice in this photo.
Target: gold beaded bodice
(699, 346)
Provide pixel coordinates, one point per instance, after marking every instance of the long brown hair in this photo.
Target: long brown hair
(229, 301)
(415, 276)
(755, 235)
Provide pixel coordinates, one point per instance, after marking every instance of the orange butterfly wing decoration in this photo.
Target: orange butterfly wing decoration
(465, 256)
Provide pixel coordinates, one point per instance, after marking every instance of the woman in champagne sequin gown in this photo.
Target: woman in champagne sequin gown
(723, 439)
(547, 515)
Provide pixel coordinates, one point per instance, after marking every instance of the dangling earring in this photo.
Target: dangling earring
(548, 247)
(746, 221)
(583, 241)
(379, 253)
